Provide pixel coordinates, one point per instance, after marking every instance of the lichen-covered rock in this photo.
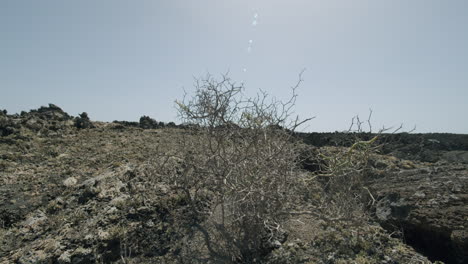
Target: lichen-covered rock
(341, 242)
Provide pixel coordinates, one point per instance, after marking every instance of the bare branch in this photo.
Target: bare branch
(243, 157)
(369, 120)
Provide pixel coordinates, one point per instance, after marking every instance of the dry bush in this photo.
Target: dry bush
(345, 170)
(238, 166)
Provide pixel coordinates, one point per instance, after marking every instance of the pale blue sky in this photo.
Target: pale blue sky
(119, 60)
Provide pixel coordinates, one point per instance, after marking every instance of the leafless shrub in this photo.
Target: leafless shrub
(237, 164)
(345, 170)
(240, 160)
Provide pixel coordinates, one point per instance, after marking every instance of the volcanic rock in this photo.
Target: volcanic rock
(431, 206)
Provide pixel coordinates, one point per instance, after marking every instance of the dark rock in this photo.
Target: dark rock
(171, 125)
(147, 122)
(9, 216)
(45, 121)
(421, 147)
(456, 156)
(431, 206)
(51, 112)
(7, 127)
(83, 121)
(123, 124)
(82, 256)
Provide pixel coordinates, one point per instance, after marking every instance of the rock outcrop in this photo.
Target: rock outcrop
(430, 147)
(430, 205)
(46, 121)
(83, 121)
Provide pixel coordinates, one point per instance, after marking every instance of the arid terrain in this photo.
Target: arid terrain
(78, 191)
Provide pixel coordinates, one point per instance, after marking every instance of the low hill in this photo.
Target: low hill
(74, 190)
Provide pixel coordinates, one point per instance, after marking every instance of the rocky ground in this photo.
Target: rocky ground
(430, 204)
(422, 190)
(76, 191)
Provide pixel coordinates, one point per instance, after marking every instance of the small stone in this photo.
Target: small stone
(456, 188)
(35, 221)
(103, 235)
(433, 202)
(69, 182)
(419, 194)
(406, 164)
(64, 258)
(63, 155)
(119, 201)
(150, 223)
(37, 256)
(112, 210)
(379, 164)
(276, 244)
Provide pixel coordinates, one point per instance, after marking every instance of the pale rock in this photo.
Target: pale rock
(64, 258)
(70, 182)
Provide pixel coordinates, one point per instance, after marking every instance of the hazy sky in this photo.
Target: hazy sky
(119, 60)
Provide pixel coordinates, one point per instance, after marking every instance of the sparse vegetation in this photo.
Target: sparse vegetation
(234, 184)
(241, 158)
